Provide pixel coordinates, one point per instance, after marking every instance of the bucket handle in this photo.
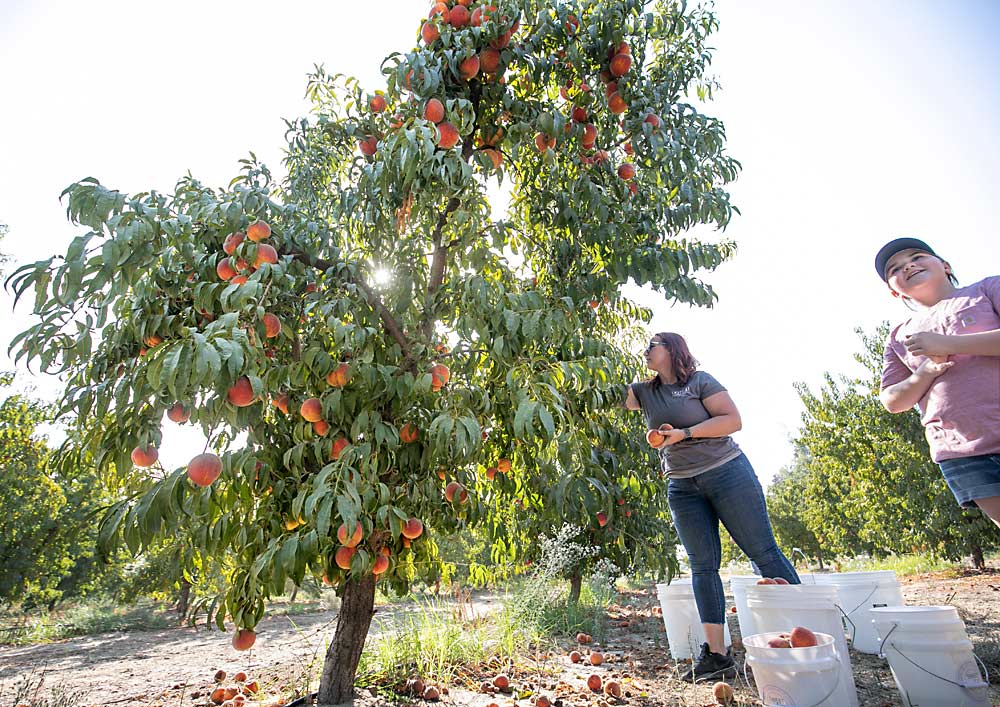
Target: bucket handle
(964, 686)
(854, 628)
(865, 600)
(836, 683)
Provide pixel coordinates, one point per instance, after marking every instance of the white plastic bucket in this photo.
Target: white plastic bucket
(685, 633)
(930, 655)
(777, 608)
(859, 592)
(738, 584)
(797, 677)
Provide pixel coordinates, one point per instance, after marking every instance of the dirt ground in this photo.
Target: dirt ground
(175, 667)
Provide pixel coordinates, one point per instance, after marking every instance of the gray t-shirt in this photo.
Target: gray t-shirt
(681, 406)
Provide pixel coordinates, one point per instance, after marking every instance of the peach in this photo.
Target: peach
(241, 394)
(252, 687)
(339, 376)
(613, 688)
(583, 638)
(179, 412)
(312, 410)
(381, 565)
(204, 469)
(596, 658)
(343, 557)
(218, 695)
(272, 325)
(413, 529)
(281, 402)
(377, 104)
(232, 242)
(620, 64)
(240, 280)
(440, 8)
(244, 639)
(440, 375)
(617, 104)
(543, 701)
(579, 115)
(653, 119)
(265, 254)
(455, 490)
(780, 580)
(434, 110)
(258, 231)
(626, 171)
(491, 473)
(501, 682)
(723, 693)
(220, 675)
(351, 540)
(655, 439)
(429, 32)
(779, 643)
(368, 146)
(543, 142)
(339, 445)
(503, 466)
(496, 157)
(459, 16)
(575, 657)
(602, 518)
(589, 135)
(595, 682)
(447, 136)
(409, 433)
(489, 60)
(802, 638)
(145, 456)
(765, 580)
(469, 68)
(321, 427)
(240, 676)
(431, 693)
(225, 270)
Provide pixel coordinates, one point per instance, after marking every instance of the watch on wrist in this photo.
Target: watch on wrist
(687, 433)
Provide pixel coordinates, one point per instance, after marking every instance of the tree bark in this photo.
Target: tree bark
(357, 607)
(575, 583)
(978, 561)
(183, 599)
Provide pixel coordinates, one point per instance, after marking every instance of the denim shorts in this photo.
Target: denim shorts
(970, 478)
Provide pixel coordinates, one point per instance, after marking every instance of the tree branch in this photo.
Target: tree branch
(388, 321)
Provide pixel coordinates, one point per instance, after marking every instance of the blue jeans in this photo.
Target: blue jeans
(970, 478)
(730, 493)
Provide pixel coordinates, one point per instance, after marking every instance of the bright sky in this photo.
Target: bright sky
(856, 122)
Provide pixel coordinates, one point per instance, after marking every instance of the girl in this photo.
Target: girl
(945, 360)
(710, 480)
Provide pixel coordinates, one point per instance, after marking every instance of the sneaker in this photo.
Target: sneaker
(711, 666)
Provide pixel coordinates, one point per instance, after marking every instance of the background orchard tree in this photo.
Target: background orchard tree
(364, 341)
(868, 483)
(614, 500)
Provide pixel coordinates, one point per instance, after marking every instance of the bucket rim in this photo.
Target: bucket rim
(926, 611)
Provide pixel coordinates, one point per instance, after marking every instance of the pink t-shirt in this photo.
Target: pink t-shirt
(961, 409)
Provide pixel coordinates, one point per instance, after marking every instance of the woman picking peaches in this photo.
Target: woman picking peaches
(691, 417)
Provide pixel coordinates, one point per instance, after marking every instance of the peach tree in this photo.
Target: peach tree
(363, 341)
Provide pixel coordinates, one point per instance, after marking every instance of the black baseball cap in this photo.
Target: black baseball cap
(893, 247)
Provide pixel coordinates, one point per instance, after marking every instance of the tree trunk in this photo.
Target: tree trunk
(295, 593)
(819, 556)
(977, 557)
(575, 582)
(183, 599)
(357, 607)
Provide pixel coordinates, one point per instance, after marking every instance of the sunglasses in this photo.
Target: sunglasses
(654, 344)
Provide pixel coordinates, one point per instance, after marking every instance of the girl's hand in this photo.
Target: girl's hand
(934, 366)
(926, 343)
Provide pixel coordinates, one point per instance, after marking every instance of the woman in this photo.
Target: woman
(945, 359)
(710, 480)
